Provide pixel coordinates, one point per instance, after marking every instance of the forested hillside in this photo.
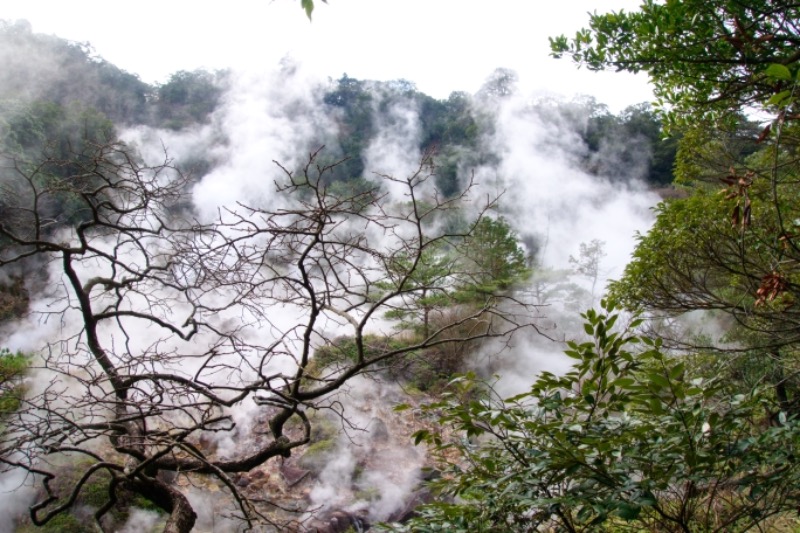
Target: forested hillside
(240, 303)
(65, 77)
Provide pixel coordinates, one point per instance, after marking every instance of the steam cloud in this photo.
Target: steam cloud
(548, 200)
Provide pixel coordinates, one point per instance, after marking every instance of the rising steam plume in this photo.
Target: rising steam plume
(552, 204)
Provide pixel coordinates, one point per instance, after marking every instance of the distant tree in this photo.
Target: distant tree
(43, 128)
(429, 290)
(587, 263)
(40, 138)
(489, 262)
(629, 144)
(641, 121)
(354, 100)
(502, 83)
(188, 98)
(494, 259)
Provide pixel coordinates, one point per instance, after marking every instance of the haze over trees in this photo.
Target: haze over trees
(181, 331)
(158, 353)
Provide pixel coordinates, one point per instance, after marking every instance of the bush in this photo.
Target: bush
(12, 371)
(623, 440)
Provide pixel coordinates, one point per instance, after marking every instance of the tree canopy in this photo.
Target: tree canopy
(703, 57)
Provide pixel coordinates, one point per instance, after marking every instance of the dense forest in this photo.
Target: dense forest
(271, 363)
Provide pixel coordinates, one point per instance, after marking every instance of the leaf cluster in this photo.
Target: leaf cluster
(13, 367)
(703, 57)
(626, 440)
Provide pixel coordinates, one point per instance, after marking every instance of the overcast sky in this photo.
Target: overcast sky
(441, 45)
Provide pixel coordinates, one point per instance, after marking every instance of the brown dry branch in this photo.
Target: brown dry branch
(171, 326)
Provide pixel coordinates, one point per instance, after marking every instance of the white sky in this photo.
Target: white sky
(441, 45)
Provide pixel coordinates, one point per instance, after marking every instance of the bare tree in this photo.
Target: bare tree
(170, 323)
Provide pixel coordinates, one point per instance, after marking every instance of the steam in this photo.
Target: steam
(372, 466)
(266, 117)
(16, 495)
(551, 199)
(141, 521)
(395, 148)
(550, 202)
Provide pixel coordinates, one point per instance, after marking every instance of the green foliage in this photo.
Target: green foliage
(63, 523)
(421, 370)
(188, 98)
(427, 289)
(703, 57)
(308, 6)
(484, 264)
(12, 374)
(353, 99)
(628, 144)
(345, 350)
(453, 128)
(626, 440)
(450, 282)
(669, 257)
(494, 260)
(42, 127)
(39, 67)
(730, 245)
(47, 154)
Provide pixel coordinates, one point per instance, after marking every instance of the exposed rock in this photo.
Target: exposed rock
(292, 474)
(378, 431)
(341, 521)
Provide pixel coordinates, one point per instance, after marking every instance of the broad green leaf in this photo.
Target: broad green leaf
(677, 370)
(628, 512)
(420, 435)
(624, 383)
(780, 98)
(655, 406)
(658, 379)
(778, 72)
(308, 6)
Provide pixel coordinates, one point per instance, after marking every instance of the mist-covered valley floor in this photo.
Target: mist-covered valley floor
(568, 182)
